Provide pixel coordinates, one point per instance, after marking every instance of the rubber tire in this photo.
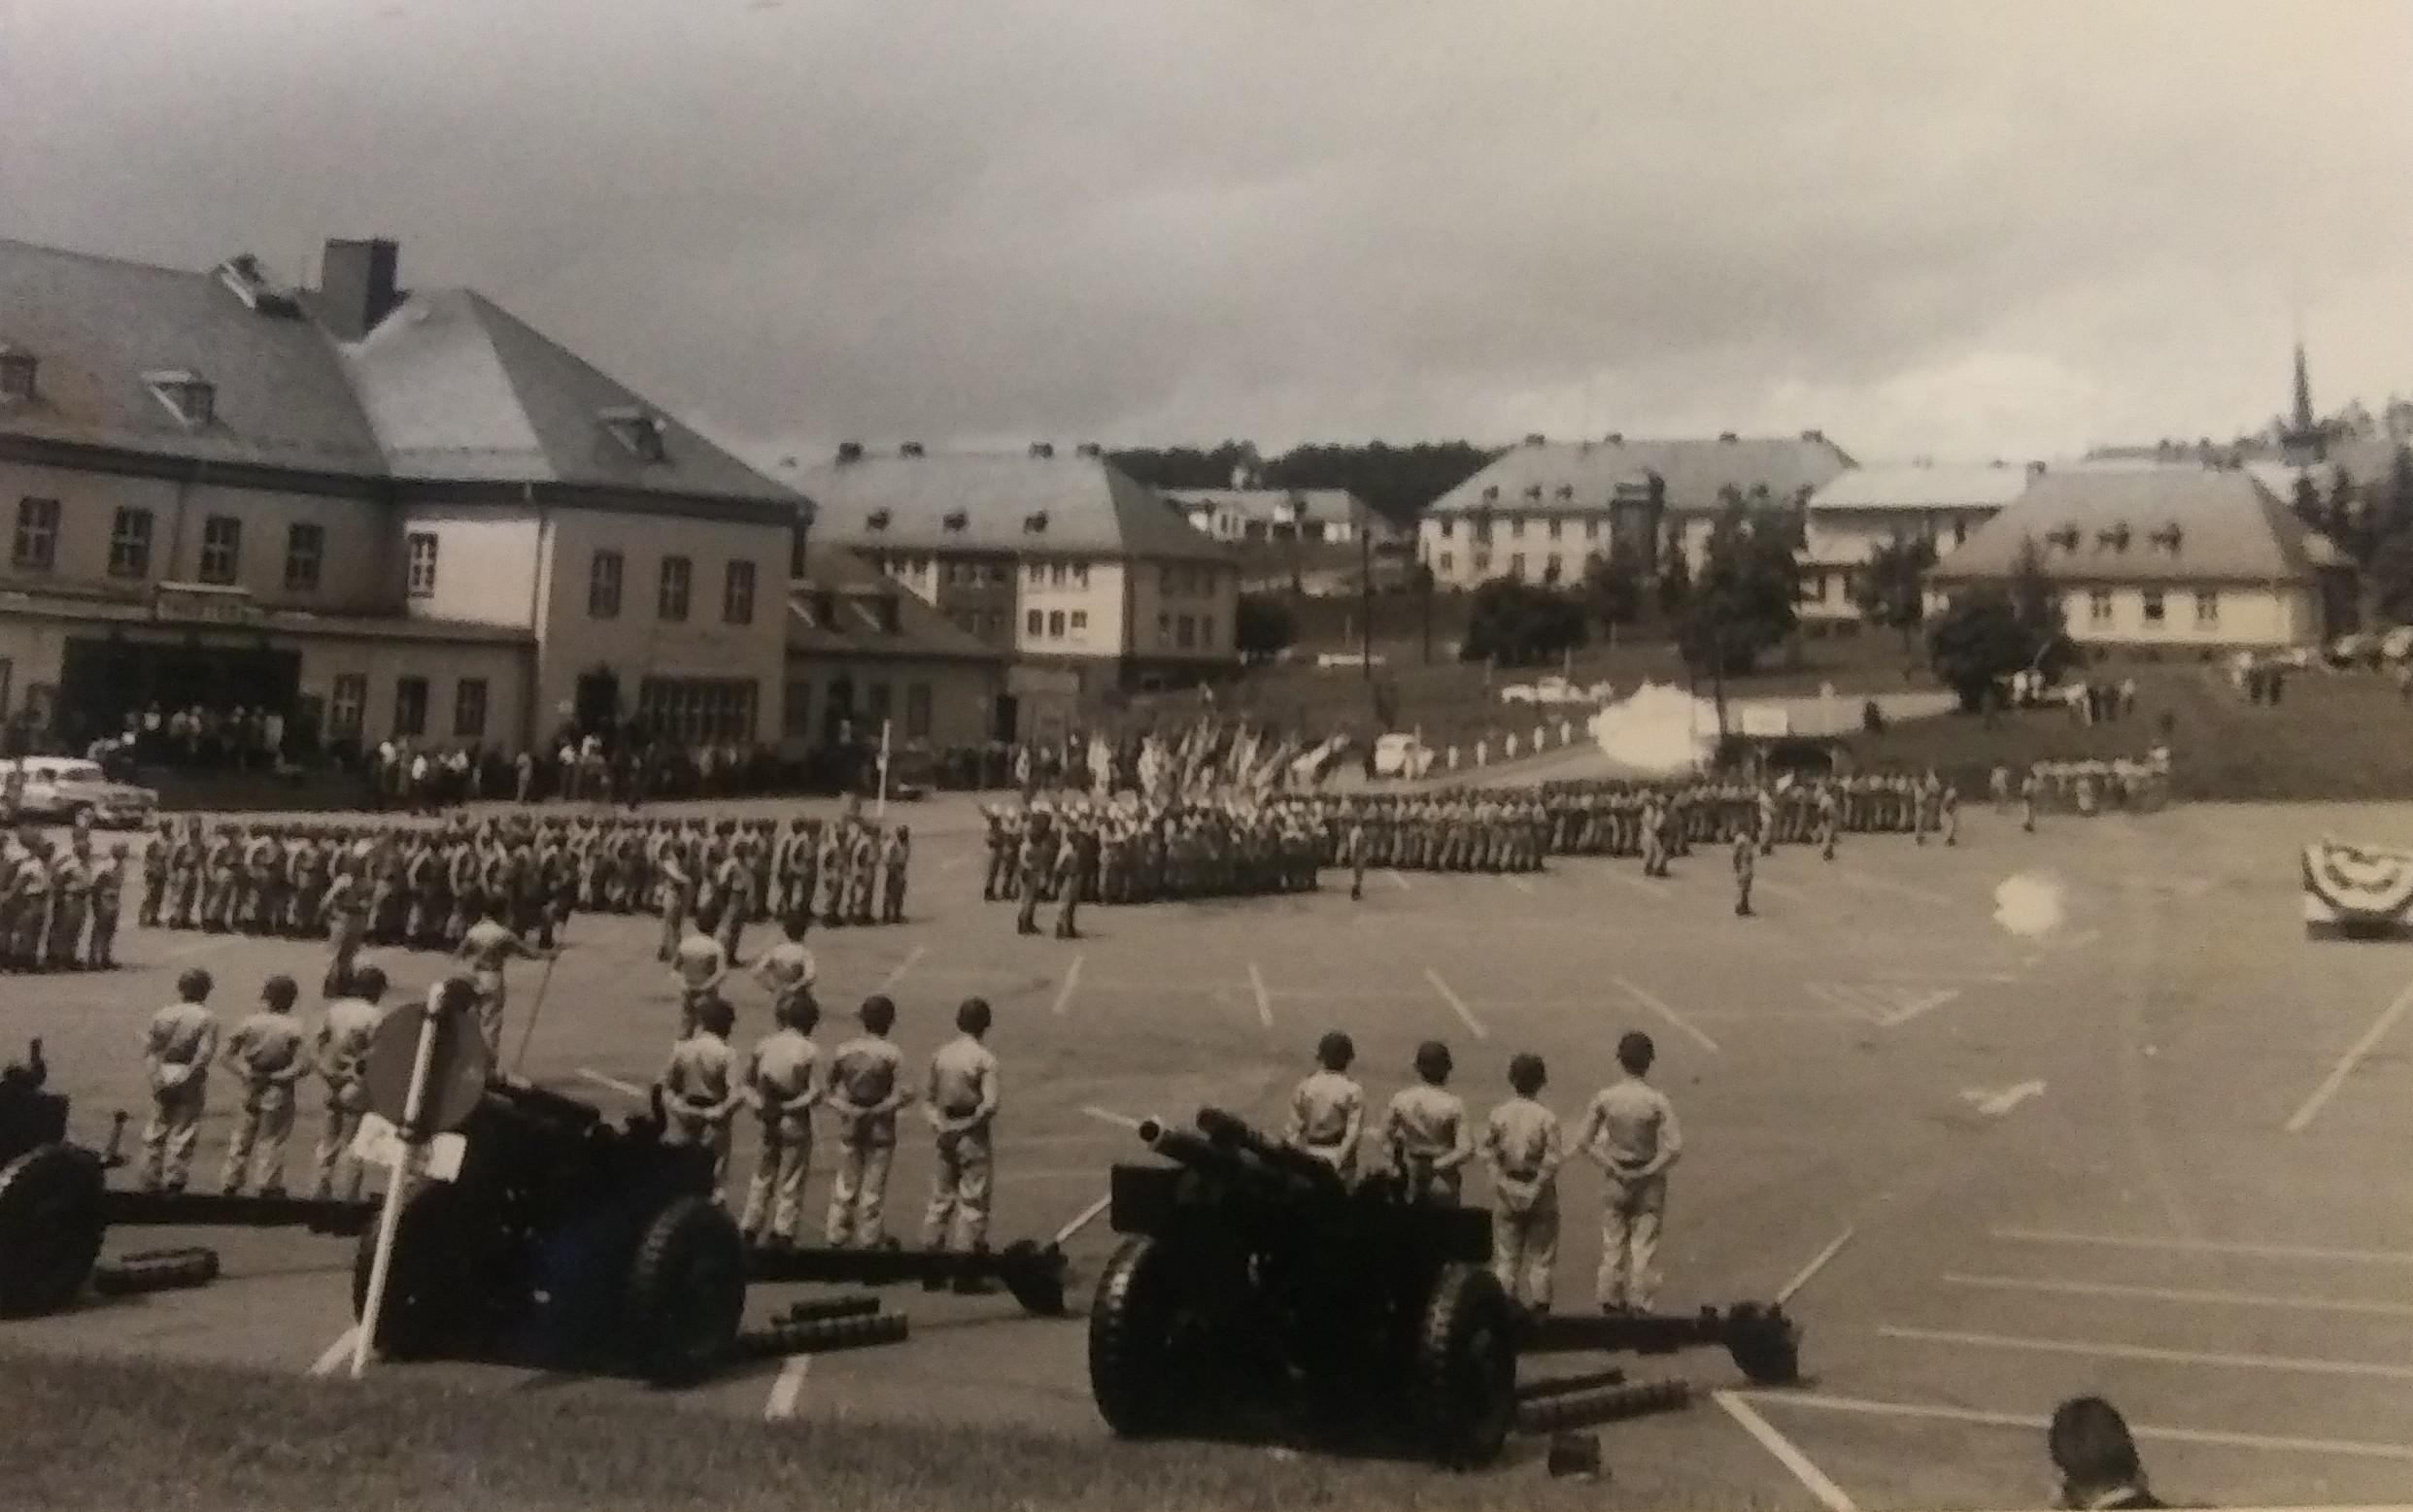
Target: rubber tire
(1765, 1344)
(155, 1270)
(686, 1292)
(51, 1226)
(1464, 1379)
(430, 1285)
(1135, 1373)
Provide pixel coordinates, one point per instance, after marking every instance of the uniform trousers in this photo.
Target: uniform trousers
(958, 1191)
(777, 1196)
(858, 1190)
(169, 1138)
(1630, 1213)
(255, 1150)
(1524, 1248)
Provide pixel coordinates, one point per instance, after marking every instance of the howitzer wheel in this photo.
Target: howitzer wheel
(1034, 1276)
(686, 1292)
(430, 1285)
(1465, 1373)
(51, 1227)
(1136, 1341)
(1765, 1344)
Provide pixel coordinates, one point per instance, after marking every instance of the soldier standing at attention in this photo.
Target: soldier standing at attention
(486, 946)
(340, 1052)
(1071, 878)
(1328, 1110)
(1630, 1131)
(265, 1052)
(700, 1090)
(177, 1051)
(865, 1092)
(697, 966)
(1522, 1145)
(1425, 1129)
(1354, 844)
(786, 970)
(962, 1107)
(894, 856)
(1830, 820)
(674, 893)
(1947, 813)
(1027, 863)
(2030, 787)
(108, 900)
(1998, 788)
(155, 875)
(782, 1083)
(1746, 860)
(733, 886)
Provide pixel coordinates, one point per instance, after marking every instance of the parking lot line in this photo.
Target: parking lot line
(1665, 1012)
(336, 1353)
(2211, 1297)
(2207, 1246)
(913, 958)
(614, 1083)
(2345, 1067)
(1110, 1116)
(2089, 1349)
(1071, 985)
(1818, 1402)
(1265, 999)
(785, 1390)
(1398, 880)
(1818, 1262)
(1812, 1479)
(1457, 1005)
(1522, 886)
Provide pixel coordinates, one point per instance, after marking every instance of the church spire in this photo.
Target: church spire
(2303, 414)
(2301, 443)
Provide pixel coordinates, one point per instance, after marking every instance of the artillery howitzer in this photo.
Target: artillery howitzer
(1255, 1274)
(55, 1203)
(1031, 1273)
(566, 1239)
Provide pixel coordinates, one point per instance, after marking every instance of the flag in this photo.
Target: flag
(2345, 884)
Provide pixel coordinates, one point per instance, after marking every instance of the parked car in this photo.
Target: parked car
(59, 788)
(1401, 755)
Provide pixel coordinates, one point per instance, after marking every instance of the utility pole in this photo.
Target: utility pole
(1365, 586)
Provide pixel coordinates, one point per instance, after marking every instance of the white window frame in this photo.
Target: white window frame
(419, 574)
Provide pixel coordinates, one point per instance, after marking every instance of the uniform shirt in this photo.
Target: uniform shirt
(963, 1081)
(696, 1080)
(488, 945)
(266, 1050)
(863, 1074)
(341, 1045)
(1324, 1110)
(181, 1035)
(699, 960)
(1632, 1126)
(1426, 1124)
(783, 1067)
(786, 967)
(1521, 1140)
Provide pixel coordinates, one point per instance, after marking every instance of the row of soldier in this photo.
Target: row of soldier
(422, 885)
(1123, 850)
(59, 901)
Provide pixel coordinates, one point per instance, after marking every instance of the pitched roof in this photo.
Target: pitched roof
(2231, 529)
(1555, 475)
(1317, 505)
(855, 629)
(449, 388)
(1923, 486)
(1090, 507)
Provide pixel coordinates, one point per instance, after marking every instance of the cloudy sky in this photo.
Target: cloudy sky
(1963, 228)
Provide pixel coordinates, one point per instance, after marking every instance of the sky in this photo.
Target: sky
(1960, 229)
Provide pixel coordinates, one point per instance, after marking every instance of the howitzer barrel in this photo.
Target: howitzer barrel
(1234, 1133)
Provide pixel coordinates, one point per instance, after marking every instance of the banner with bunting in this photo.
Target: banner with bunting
(2357, 888)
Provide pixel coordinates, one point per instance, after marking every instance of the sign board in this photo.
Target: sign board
(380, 1144)
(457, 1072)
(205, 603)
(1764, 720)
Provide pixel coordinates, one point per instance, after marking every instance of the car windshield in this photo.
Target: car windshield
(70, 772)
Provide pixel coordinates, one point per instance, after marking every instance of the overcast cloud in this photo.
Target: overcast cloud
(1956, 228)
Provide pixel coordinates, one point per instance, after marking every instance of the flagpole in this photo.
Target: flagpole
(879, 809)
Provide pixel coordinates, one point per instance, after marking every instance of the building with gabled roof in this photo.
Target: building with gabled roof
(862, 649)
(1864, 509)
(1540, 510)
(1079, 570)
(2178, 556)
(382, 513)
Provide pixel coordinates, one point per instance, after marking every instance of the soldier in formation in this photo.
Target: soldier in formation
(59, 901)
(1070, 849)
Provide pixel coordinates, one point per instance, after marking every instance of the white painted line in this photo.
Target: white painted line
(1646, 886)
(785, 1390)
(1071, 985)
(2207, 1246)
(1816, 1263)
(1811, 1478)
(1397, 880)
(1817, 1402)
(624, 1089)
(2176, 1357)
(336, 1353)
(2009, 1097)
(1911, 1007)
(2218, 1298)
(1665, 1012)
(1522, 886)
(1265, 999)
(2363, 1047)
(1082, 1219)
(1457, 1005)
(1110, 1116)
(913, 958)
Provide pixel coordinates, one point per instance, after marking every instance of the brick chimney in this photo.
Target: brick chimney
(356, 285)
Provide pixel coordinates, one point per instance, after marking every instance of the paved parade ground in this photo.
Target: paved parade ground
(2155, 1153)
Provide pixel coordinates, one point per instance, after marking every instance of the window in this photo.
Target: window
(1554, 525)
(1516, 566)
(129, 544)
(1000, 574)
(1960, 532)
(410, 706)
(1164, 582)
(917, 711)
(1080, 622)
(1058, 575)
(1185, 632)
(795, 552)
(875, 703)
(1207, 632)
(2153, 606)
(1447, 527)
(1080, 574)
(37, 535)
(1552, 567)
(799, 711)
(419, 572)
(222, 549)
(695, 709)
(2099, 606)
(1055, 624)
(1035, 624)
(1592, 530)
(305, 550)
(738, 594)
(604, 587)
(1038, 575)
(1164, 629)
(1516, 529)
(346, 705)
(676, 574)
(2207, 607)
(469, 709)
(1482, 561)
(1446, 561)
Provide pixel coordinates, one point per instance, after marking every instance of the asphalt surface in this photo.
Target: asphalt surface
(2155, 1153)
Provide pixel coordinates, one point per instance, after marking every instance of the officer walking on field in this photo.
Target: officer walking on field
(1746, 858)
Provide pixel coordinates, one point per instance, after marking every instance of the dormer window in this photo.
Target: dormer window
(2168, 537)
(1492, 492)
(1566, 492)
(955, 520)
(877, 520)
(1035, 522)
(2115, 539)
(1533, 490)
(639, 431)
(191, 398)
(17, 376)
(2066, 538)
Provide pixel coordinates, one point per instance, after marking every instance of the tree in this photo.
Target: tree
(1743, 603)
(2344, 522)
(1987, 635)
(2389, 577)
(1891, 586)
(2307, 502)
(1675, 584)
(1512, 624)
(1263, 625)
(1613, 591)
